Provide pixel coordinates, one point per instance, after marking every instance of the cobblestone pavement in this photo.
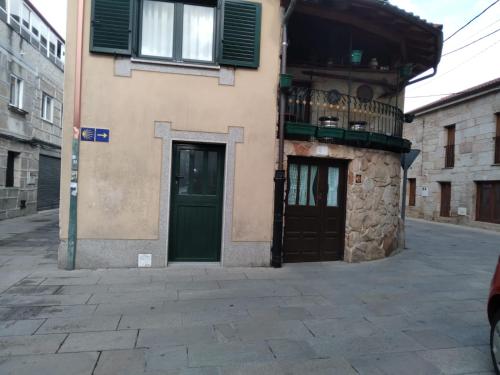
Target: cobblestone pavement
(419, 312)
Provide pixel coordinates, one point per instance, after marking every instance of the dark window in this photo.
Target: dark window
(412, 186)
(52, 48)
(445, 199)
(449, 161)
(3, 4)
(59, 49)
(497, 141)
(11, 161)
(488, 202)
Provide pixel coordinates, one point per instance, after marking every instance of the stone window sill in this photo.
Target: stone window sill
(17, 110)
(125, 65)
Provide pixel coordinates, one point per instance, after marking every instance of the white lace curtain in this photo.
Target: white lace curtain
(157, 28)
(198, 33)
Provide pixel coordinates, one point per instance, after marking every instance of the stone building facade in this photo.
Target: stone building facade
(456, 178)
(31, 97)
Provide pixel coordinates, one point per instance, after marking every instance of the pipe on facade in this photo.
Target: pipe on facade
(75, 146)
(279, 176)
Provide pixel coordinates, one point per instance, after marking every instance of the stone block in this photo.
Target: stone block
(49, 364)
(123, 362)
(80, 324)
(97, 341)
(19, 327)
(25, 345)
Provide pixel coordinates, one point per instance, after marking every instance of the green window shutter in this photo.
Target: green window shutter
(240, 34)
(111, 27)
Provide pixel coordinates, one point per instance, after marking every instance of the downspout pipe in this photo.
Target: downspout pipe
(75, 146)
(279, 176)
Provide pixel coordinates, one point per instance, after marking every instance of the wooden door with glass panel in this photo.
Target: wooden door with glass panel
(315, 210)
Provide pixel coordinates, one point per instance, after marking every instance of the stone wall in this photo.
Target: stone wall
(373, 228)
(475, 129)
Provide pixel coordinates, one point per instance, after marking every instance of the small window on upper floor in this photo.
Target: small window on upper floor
(178, 31)
(47, 107)
(16, 92)
(26, 17)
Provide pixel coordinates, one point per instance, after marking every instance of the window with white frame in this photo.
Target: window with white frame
(15, 11)
(178, 31)
(47, 107)
(26, 17)
(16, 91)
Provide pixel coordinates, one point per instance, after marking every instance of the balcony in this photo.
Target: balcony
(332, 117)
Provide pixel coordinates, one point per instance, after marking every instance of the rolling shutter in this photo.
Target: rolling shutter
(240, 41)
(111, 27)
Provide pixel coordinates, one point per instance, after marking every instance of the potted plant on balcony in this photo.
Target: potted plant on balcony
(329, 128)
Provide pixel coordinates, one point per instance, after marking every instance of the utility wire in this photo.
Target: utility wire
(471, 43)
(472, 20)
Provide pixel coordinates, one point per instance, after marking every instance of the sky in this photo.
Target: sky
(55, 12)
(460, 70)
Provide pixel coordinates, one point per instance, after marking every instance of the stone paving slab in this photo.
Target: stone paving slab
(419, 312)
(86, 324)
(19, 327)
(96, 341)
(49, 364)
(38, 344)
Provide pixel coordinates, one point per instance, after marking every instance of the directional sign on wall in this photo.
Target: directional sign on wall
(102, 135)
(95, 135)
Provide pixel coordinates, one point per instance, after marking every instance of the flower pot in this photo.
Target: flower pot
(286, 81)
(356, 56)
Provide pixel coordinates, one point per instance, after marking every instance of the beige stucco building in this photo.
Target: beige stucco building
(191, 104)
(456, 178)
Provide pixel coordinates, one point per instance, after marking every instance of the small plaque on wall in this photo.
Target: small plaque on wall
(358, 179)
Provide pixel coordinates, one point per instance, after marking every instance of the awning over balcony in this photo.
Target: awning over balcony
(377, 26)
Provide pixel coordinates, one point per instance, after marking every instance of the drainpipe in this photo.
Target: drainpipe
(75, 146)
(279, 176)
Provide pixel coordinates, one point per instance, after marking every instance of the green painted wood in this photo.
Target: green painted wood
(298, 128)
(111, 27)
(196, 203)
(240, 35)
(330, 132)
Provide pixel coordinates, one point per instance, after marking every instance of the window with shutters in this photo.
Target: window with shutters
(178, 31)
(449, 160)
(226, 32)
(412, 196)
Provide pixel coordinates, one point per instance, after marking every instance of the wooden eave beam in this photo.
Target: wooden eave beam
(346, 19)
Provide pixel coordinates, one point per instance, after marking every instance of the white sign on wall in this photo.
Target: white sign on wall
(462, 211)
(425, 191)
(144, 260)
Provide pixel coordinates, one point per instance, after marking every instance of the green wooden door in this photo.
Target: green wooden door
(196, 203)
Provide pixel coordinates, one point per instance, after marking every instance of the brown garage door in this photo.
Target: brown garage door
(315, 210)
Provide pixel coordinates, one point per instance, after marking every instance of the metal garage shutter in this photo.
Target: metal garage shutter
(48, 183)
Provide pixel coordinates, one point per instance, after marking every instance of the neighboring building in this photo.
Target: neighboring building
(189, 90)
(31, 95)
(456, 178)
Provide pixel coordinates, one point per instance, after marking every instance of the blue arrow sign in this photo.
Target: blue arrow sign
(87, 134)
(102, 135)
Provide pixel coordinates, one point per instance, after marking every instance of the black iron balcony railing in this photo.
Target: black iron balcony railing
(310, 106)
(449, 156)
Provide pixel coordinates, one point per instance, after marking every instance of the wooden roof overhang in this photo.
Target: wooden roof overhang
(420, 42)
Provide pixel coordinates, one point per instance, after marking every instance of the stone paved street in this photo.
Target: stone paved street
(419, 312)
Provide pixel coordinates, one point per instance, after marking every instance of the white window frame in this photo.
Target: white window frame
(18, 92)
(47, 102)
